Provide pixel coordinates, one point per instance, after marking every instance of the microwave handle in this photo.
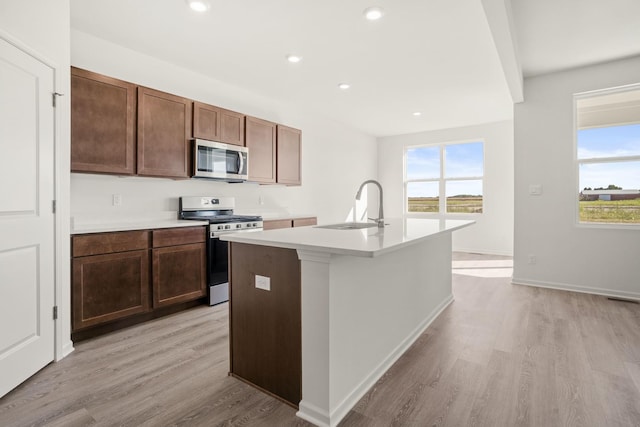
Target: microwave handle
(241, 161)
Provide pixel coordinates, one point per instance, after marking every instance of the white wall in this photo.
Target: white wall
(42, 27)
(335, 158)
(569, 256)
(493, 232)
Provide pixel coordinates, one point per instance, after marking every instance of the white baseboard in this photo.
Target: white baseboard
(67, 349)
(310, 412)
(361, 389)
(577, 288)
(483, 251)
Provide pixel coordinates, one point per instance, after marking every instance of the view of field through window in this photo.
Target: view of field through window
(445, 178)
(608, 154)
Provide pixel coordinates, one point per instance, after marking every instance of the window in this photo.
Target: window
(444, 178)
(608, 156)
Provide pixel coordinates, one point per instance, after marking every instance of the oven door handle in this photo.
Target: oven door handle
(217, 234)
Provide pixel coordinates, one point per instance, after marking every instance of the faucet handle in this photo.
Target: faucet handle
(379, 221)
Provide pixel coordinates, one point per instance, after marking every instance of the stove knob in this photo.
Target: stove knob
(238, 225)
(220, 227)
(227, 227)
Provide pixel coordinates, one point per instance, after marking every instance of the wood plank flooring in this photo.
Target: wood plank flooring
(500, 355)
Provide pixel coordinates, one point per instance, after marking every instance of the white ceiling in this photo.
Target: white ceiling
(553, 35)
(437, 56)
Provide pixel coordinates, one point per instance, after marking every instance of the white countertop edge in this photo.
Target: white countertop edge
(247, 238)
(129, 226)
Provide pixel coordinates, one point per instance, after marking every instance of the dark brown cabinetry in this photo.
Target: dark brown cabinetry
(217, 124)
(164, 131)
(260, 139)
(103, 114)
(179, 265)
(123, 278)
(110, 277)
(124, 129)
(265, 326)
(289, 155)
(273, 224)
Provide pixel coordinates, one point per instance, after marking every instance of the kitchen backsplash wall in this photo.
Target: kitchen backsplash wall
(335, 158)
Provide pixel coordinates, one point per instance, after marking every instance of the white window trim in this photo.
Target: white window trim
(442, 182)
(577, 162)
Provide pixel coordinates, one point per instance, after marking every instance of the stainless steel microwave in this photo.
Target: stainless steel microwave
(220, 161)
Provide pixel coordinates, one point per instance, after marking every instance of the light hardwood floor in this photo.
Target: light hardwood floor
(500, 355)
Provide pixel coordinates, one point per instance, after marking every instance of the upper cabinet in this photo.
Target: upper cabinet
(164, 131)
(217, 124)
(125, 129)
(260, 139)
(289, 152)
(103, 114)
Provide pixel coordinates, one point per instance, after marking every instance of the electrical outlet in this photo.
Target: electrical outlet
(535, 189)
(263, 282)
(116, 199)
(532, 259)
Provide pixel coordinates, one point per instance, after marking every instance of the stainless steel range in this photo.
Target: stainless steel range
(219, 212)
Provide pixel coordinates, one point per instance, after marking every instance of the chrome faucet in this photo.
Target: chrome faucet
(380, 219)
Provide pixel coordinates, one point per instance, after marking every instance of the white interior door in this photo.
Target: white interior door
(26, 218)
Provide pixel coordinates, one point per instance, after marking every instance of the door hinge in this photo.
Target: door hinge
(55, 312)
(53, 206)
(53, 97)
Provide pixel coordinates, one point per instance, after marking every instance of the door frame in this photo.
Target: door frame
(63, 345)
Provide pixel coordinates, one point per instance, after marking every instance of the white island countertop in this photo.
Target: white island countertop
(366, 242)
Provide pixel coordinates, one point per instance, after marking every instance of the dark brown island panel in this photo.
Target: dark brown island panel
(265, 325)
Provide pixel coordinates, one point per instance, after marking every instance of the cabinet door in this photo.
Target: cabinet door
(206, 121)
(232, 127)
(179, 274)
(109, 287)
(260, 139)
(289, 155)
(102, 124)
(164, 131)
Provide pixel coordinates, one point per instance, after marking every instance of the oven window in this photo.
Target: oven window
(218, 260)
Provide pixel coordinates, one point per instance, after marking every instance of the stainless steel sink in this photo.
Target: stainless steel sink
(348, 225)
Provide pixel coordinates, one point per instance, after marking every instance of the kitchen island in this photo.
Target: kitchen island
(318, 315)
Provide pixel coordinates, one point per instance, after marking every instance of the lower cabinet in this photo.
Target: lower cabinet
(179, 270)
(109, 287)
(132, 276)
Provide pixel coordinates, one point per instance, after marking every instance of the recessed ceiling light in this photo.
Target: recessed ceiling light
(373, 13)
(199, 5)
(294, 58)
(344, 86)
(417, 113)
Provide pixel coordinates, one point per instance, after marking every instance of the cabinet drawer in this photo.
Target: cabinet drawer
(276, 223)
(105, 243)
(178, 236)
(302, 222)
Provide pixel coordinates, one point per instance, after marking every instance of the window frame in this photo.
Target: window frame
(442, 180)
(577, 162)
